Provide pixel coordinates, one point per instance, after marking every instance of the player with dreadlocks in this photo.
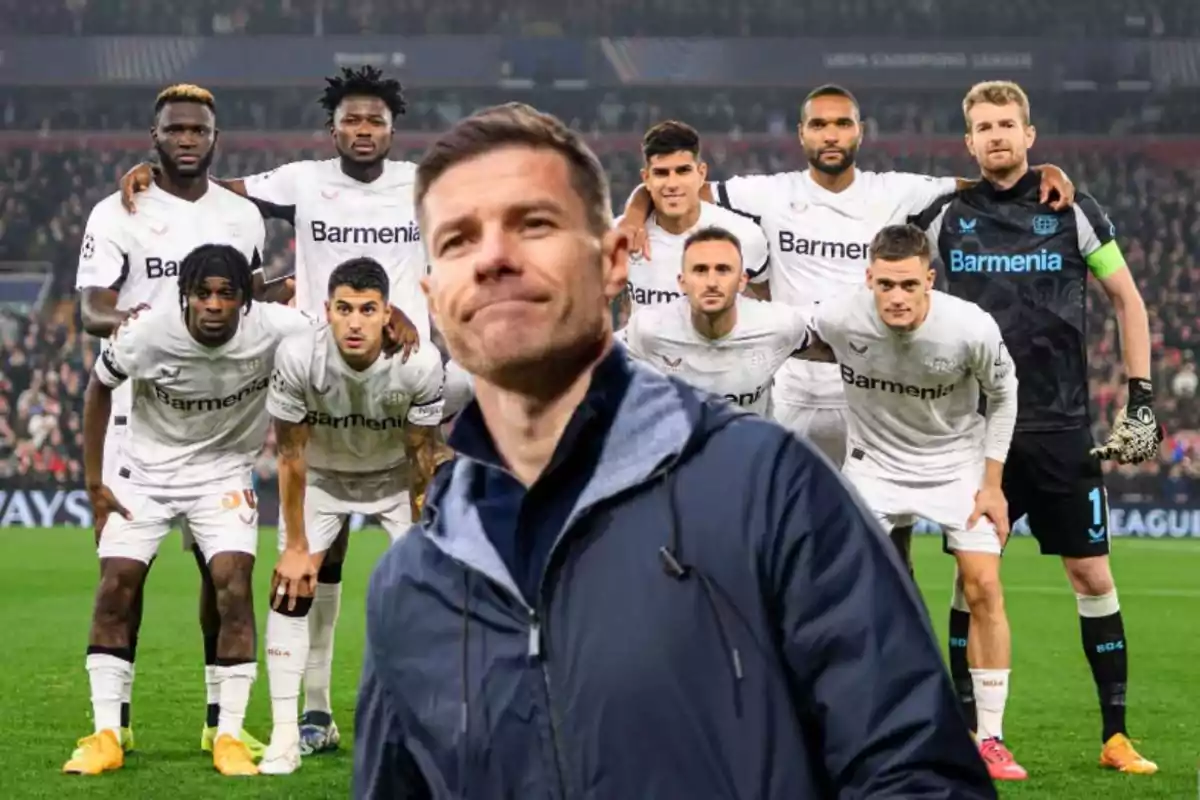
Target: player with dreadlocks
(357, 205)
(199, 374)
(131, 262)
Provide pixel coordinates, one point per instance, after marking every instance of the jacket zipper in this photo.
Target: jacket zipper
(536, 638)
(535, 649)
(535, 653)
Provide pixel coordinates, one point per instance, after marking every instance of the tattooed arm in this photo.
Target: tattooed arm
(291, 438)
(426, 451)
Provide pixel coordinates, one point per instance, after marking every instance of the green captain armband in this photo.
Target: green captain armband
(1106, 259)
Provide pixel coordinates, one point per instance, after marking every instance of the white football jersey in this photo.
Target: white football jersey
(356, 419)
(138, 255)
(740, 366)
(819, 245)
(656, 280)
(338, 218)
(199, 413)
(913, 397)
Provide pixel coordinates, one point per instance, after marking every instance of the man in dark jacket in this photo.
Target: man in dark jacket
(624, 588)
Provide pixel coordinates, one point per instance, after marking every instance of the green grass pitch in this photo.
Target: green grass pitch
(49, 576)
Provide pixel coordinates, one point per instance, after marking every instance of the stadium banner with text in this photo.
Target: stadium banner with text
(1041, 63)
(54, 506)
(481, 61)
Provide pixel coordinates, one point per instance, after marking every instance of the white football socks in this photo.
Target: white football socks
(991, 695)
(127, 686)
(234, 683)
(287, 654)
(108, 676)
(212, 686)
(322, 619)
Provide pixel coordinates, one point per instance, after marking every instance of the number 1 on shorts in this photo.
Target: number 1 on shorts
(1097, 506)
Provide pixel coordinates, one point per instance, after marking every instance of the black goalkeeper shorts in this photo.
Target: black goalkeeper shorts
(1053, 477)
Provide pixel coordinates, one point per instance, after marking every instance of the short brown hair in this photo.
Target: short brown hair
(521, 125)
(712, 233)
(898, 242)
(997, 93)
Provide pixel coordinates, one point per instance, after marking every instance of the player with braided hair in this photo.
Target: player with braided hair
(199, 376)
(356, 205)
(127, 263)
(213, 261)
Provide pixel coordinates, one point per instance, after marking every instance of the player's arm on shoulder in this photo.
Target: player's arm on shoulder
(424, 447)
(1099, 247)
(913, 192)
(285, 321)
(836, 584)
(748, 195)
(275, 191)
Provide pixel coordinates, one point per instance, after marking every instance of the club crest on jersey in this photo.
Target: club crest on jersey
(1045, 224)
(396, 398)
(942, 364)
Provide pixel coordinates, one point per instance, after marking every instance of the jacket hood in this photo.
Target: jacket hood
(660, 421)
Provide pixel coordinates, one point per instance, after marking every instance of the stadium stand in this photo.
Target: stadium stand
(631, 110)
(1149, 18)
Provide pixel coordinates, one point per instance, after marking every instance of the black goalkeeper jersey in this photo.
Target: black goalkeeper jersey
(1028, 265)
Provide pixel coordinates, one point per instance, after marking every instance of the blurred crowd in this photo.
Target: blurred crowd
(45, 198)
(1066, 18)
(775, 111)
(42, 378)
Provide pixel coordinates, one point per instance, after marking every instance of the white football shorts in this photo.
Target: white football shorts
(221, 522)
(824, 427)
(896, 503)
(330, 501)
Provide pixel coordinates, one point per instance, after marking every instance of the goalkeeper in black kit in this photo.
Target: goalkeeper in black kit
(1028, 266)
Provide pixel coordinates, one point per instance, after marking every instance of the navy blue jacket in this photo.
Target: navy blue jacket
(719, 618)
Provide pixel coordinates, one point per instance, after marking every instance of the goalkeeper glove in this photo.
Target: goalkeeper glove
(1135, 433)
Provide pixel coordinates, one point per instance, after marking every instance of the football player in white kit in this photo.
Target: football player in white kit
(674, 174)
(358, 204)
(713, 337)
(198, 423)
(819, 224)
(913, 362)
(129, 262)
(356, 433)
